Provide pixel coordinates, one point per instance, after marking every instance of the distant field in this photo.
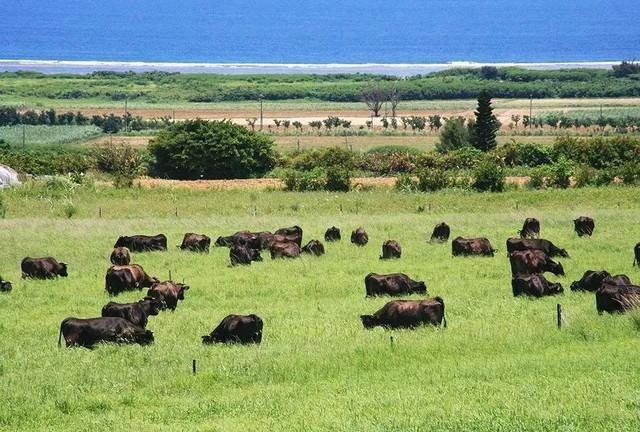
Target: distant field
(47, 135)
(501, 365)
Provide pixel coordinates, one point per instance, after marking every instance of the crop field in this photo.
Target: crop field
(500, 365)
(47, 135)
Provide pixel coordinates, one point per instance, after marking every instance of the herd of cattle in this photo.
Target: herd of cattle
(529, 256)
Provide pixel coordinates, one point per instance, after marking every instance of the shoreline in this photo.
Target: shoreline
(395, 69)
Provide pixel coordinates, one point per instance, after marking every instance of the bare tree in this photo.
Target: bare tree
(374, 98)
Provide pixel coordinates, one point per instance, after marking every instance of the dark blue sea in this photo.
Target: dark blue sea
(323, 31)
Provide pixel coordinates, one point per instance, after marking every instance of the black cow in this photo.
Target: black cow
(126, 278)
(120, 256)
(293, 234)
(441, 233)
(143, 243)
(332, 234)
(636, 255)
(250, 239)
(534, 285)
(391, 249)
(530, 228)
(617, 298)
(195, 243)
(314, 247)
(359, 237)
(592, 280)
(168, 293)
(407, 314)
(5, 286)
(584, 226)
(473, 246)
(243, 329)
(533, 261)
(137, 313)
(394, 284)
(43, 268)
(243, 255)
(90, 331)
(284, 250)
(516, 244)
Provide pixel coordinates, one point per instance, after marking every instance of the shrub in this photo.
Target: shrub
(537, 178)
(529, 155)
(312, 180)
(338, 179)
(604, 177)
(196, 149)
(122, 161)
(70, 210)
(431, 180)
(395, 149)
(406, 183)
(630, 173)
(584, 175)
(560, 174)
(488, 176)
(454, 135)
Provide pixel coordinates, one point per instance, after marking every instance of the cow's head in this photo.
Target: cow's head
(145, 337)
(120, 242)
(255, 255)
(181, 289)
(368, 321)
(62, 270)
(556, 269)
(555, 288)
(420, 287)
(222, 242)
(152, 305)
(5, 286)
(208, 339)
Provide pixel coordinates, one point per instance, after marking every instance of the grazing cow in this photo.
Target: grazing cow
(472, 246)
(143, 243)
(126, 278)
(530, 228)
(534, 285)
(195, 243)
(533, 261)
(314, 247)
(636, 254)
(407, 314)
(516, 244)
(168, 292)
(242, 329)
(43, 268)
(392, 284)
(592, 280)
(292, 234)
(5, 286)
(284, 250)
(441, 233)
(359, 237)
(243, 255)
(88, 332)
(137, 313)
(584, 226)
(120, 256)
(245, 238)
(617, 298)
(332, 234)
(391, 249)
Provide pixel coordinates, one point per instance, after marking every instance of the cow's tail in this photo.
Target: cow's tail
(60, 334)
(444, 317)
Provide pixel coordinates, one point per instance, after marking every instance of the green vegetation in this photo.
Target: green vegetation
(486, 124)
(199, 149)
(161, 87)
(47, 135)
(501, 365)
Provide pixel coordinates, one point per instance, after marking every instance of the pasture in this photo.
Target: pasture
(501, 365)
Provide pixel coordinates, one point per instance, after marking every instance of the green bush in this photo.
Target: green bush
(630, 173)
(584, 175)
(488, 176)
(605, 177)
(3, 207)
(122, 161)
(454, 135)
(301, 181)
(338, 179)
(537, 178)
(559, 174)
(521, 154)
(431, 180)
(406, 183)
(196, 149)
(395, 149)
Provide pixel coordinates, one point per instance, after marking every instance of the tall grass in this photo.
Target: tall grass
(47, 135)
(501, 365)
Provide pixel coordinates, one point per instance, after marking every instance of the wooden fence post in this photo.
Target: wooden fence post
(193, 366)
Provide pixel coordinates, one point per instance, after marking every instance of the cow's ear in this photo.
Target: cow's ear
(63, 264)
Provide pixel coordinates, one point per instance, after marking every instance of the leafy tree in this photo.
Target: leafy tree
(515, 118)
(486, 124)
(394, 98)
(316, 124)
(296, 124)
(435, 122)
(374, 98)
(454, 135)
(197, 149)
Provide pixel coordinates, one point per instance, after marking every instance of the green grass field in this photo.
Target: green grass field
(501, 365)
(47, 135)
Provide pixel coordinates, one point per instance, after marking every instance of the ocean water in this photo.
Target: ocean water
(322, 31)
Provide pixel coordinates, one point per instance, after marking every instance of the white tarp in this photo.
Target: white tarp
(8, 177)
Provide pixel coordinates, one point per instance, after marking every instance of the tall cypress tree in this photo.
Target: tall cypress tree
(486, 125)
